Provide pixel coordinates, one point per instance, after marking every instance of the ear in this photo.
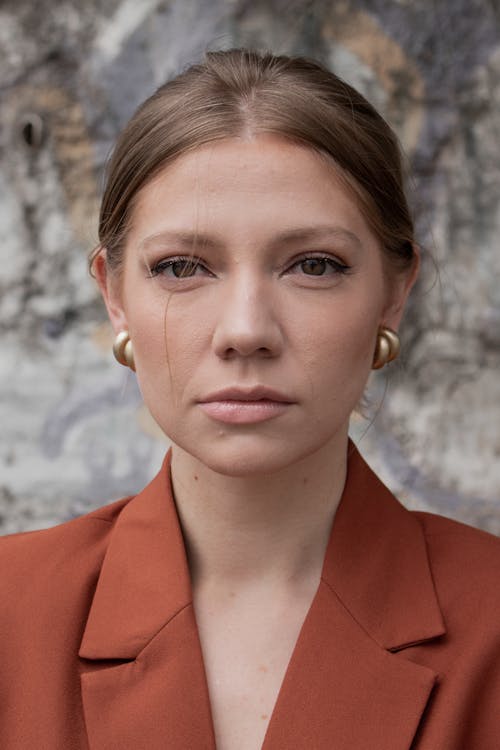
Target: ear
(399, 289)
(110, 284)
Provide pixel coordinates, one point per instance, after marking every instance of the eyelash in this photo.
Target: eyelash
(163, 265)
(335, 264)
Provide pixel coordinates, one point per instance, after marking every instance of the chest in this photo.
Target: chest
(247, 648)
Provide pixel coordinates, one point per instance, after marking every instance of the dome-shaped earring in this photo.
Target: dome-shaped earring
(123, 350)
(387, 347)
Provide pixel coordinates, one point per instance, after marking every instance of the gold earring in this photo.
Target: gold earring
(387, 347)
(123, 350)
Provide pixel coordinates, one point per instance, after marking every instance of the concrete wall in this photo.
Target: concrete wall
(74, 433)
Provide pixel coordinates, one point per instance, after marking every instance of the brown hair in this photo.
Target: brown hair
(240, 92)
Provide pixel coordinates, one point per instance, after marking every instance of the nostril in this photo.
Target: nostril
(265, 351)
(261, 351)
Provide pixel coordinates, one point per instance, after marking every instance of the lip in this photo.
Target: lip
(253, 393)
(245, 405)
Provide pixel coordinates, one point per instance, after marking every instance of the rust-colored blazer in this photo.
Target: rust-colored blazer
(401, 647)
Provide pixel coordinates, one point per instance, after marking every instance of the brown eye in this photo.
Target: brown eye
(314, 266)
(178, 267)
(317, 265)
(184, 267)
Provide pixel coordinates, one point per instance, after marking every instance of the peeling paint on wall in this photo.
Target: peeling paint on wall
(74, 431)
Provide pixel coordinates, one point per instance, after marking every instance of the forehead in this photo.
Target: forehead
(257, 185)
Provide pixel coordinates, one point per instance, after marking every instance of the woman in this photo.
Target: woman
(265, 590)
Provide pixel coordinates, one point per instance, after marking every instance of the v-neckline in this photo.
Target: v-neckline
(142, 663)
(208, 664)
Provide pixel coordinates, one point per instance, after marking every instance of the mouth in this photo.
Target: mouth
(253, 394)
(245, 405)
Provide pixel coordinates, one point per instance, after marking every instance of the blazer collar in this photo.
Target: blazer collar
(377, 563)
(144, 681)
(343, 687)
(144, 579)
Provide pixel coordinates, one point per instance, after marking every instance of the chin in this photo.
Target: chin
(249, 455)
(243, 460)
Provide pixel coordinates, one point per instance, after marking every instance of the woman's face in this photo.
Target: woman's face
(252, 289)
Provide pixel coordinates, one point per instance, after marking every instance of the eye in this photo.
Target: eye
(314, 266)
(180, 267)
(319, 265)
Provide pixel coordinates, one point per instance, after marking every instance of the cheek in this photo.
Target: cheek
(337, 352)
(341, 333)
(169, 342)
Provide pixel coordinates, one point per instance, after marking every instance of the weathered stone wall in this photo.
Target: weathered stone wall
(73, 431)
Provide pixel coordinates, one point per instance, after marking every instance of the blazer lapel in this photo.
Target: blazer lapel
(346, 686)
(143, 680)
(343, 691)
(349, 685)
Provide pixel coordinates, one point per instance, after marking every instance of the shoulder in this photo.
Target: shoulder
(88, 527)
(446, 538)
(465, 564)
(46, 561)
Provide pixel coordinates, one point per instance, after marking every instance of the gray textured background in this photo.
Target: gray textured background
(74, 433)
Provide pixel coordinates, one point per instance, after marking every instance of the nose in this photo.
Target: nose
(247, 324)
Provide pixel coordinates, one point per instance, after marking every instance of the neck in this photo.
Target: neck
(276, 527)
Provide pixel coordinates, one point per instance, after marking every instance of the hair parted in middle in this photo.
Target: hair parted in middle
(241, 93)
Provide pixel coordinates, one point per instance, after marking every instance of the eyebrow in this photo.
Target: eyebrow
(316, 233)
(184, 239)
(189, 239)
